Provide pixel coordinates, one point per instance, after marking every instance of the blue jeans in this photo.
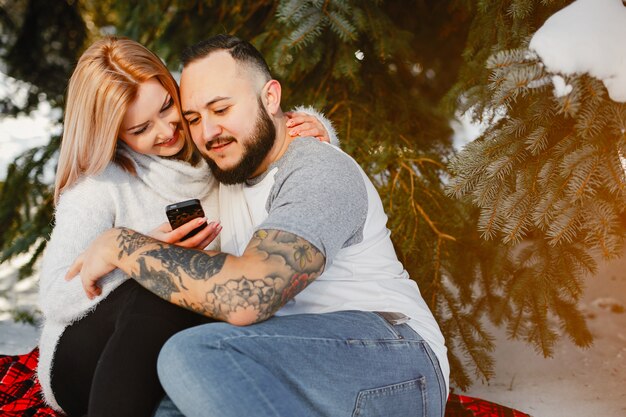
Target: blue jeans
(349, 363)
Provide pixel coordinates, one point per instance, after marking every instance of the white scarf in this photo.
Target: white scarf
(172, 179)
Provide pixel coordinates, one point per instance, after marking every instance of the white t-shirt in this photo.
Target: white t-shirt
(320, 194)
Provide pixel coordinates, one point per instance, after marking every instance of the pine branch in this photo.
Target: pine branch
(582, 169)
(612, 173)
(537, 141)
(566, 225)
(465, 339)
(602, 227)
(540, 335)
(518, 208)
(290, 11)
(520, 9)
(575, 325)
(308, 30)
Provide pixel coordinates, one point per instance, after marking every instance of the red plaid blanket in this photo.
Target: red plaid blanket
(20, 394)
(463, 406)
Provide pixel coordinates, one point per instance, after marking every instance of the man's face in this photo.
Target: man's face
(255, 147)
(228, 122)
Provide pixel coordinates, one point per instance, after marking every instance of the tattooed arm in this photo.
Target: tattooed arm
(275, 266)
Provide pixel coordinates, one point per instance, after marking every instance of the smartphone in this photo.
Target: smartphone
(184, 211)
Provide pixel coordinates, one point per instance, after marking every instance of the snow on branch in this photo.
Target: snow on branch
(588, 36)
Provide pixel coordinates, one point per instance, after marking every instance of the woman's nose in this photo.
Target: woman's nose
(166, 128)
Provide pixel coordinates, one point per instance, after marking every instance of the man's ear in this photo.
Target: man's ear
(271, 96)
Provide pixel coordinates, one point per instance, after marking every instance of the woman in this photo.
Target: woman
(125, 155)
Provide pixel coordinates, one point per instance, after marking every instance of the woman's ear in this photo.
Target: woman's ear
(271, 96)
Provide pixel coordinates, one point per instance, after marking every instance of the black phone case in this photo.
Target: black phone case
(180, 213)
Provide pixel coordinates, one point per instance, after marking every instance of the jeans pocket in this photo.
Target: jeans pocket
(405, 399)
(394, 332)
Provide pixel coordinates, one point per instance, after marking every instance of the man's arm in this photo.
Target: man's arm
(275, 266)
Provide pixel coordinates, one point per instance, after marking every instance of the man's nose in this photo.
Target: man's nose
(210, 130)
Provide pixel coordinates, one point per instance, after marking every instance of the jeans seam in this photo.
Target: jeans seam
(245, 375)
(436, 368)
(418, 383)
(320, 339)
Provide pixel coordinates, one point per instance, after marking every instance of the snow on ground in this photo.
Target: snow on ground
(16, 338)
(575, 383)
(588, 36)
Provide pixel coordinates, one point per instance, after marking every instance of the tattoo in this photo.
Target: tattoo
(280, 237)
(266, 295)
(281, 266)
(298, 264)
(302, 255)
(242, 294)
(297, 283)
(129, 241)
(158, 282)
(197, 265)
(299, 254)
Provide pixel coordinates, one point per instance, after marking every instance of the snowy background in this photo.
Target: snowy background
(24, 132)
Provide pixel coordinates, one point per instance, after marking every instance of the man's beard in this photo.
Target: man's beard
(255, 149)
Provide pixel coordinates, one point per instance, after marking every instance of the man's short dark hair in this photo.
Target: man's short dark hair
(240, 50)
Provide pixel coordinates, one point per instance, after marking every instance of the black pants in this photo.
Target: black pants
(105, 364)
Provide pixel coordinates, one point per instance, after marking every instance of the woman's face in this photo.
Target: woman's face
(151, 124)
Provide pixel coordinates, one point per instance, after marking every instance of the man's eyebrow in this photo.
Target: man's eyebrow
(208, 103)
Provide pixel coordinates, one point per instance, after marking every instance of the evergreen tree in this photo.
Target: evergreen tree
(41, 41)
(389, 74)
(548, 179)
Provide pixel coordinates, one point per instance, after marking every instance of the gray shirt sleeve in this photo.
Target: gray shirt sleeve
(319, 195)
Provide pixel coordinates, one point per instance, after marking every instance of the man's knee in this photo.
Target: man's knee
(178, 347)
(183, 350)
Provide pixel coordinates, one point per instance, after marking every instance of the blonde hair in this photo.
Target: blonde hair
(102, 87)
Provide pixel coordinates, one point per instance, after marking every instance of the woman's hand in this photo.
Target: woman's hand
(95, 262)
(200, 240)
(100, 257)
(303, 124)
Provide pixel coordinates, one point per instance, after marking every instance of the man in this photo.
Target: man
(320, 318)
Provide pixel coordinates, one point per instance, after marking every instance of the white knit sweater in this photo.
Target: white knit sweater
(113, 198)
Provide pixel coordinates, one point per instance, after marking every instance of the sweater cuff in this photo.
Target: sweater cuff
(328, 125)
